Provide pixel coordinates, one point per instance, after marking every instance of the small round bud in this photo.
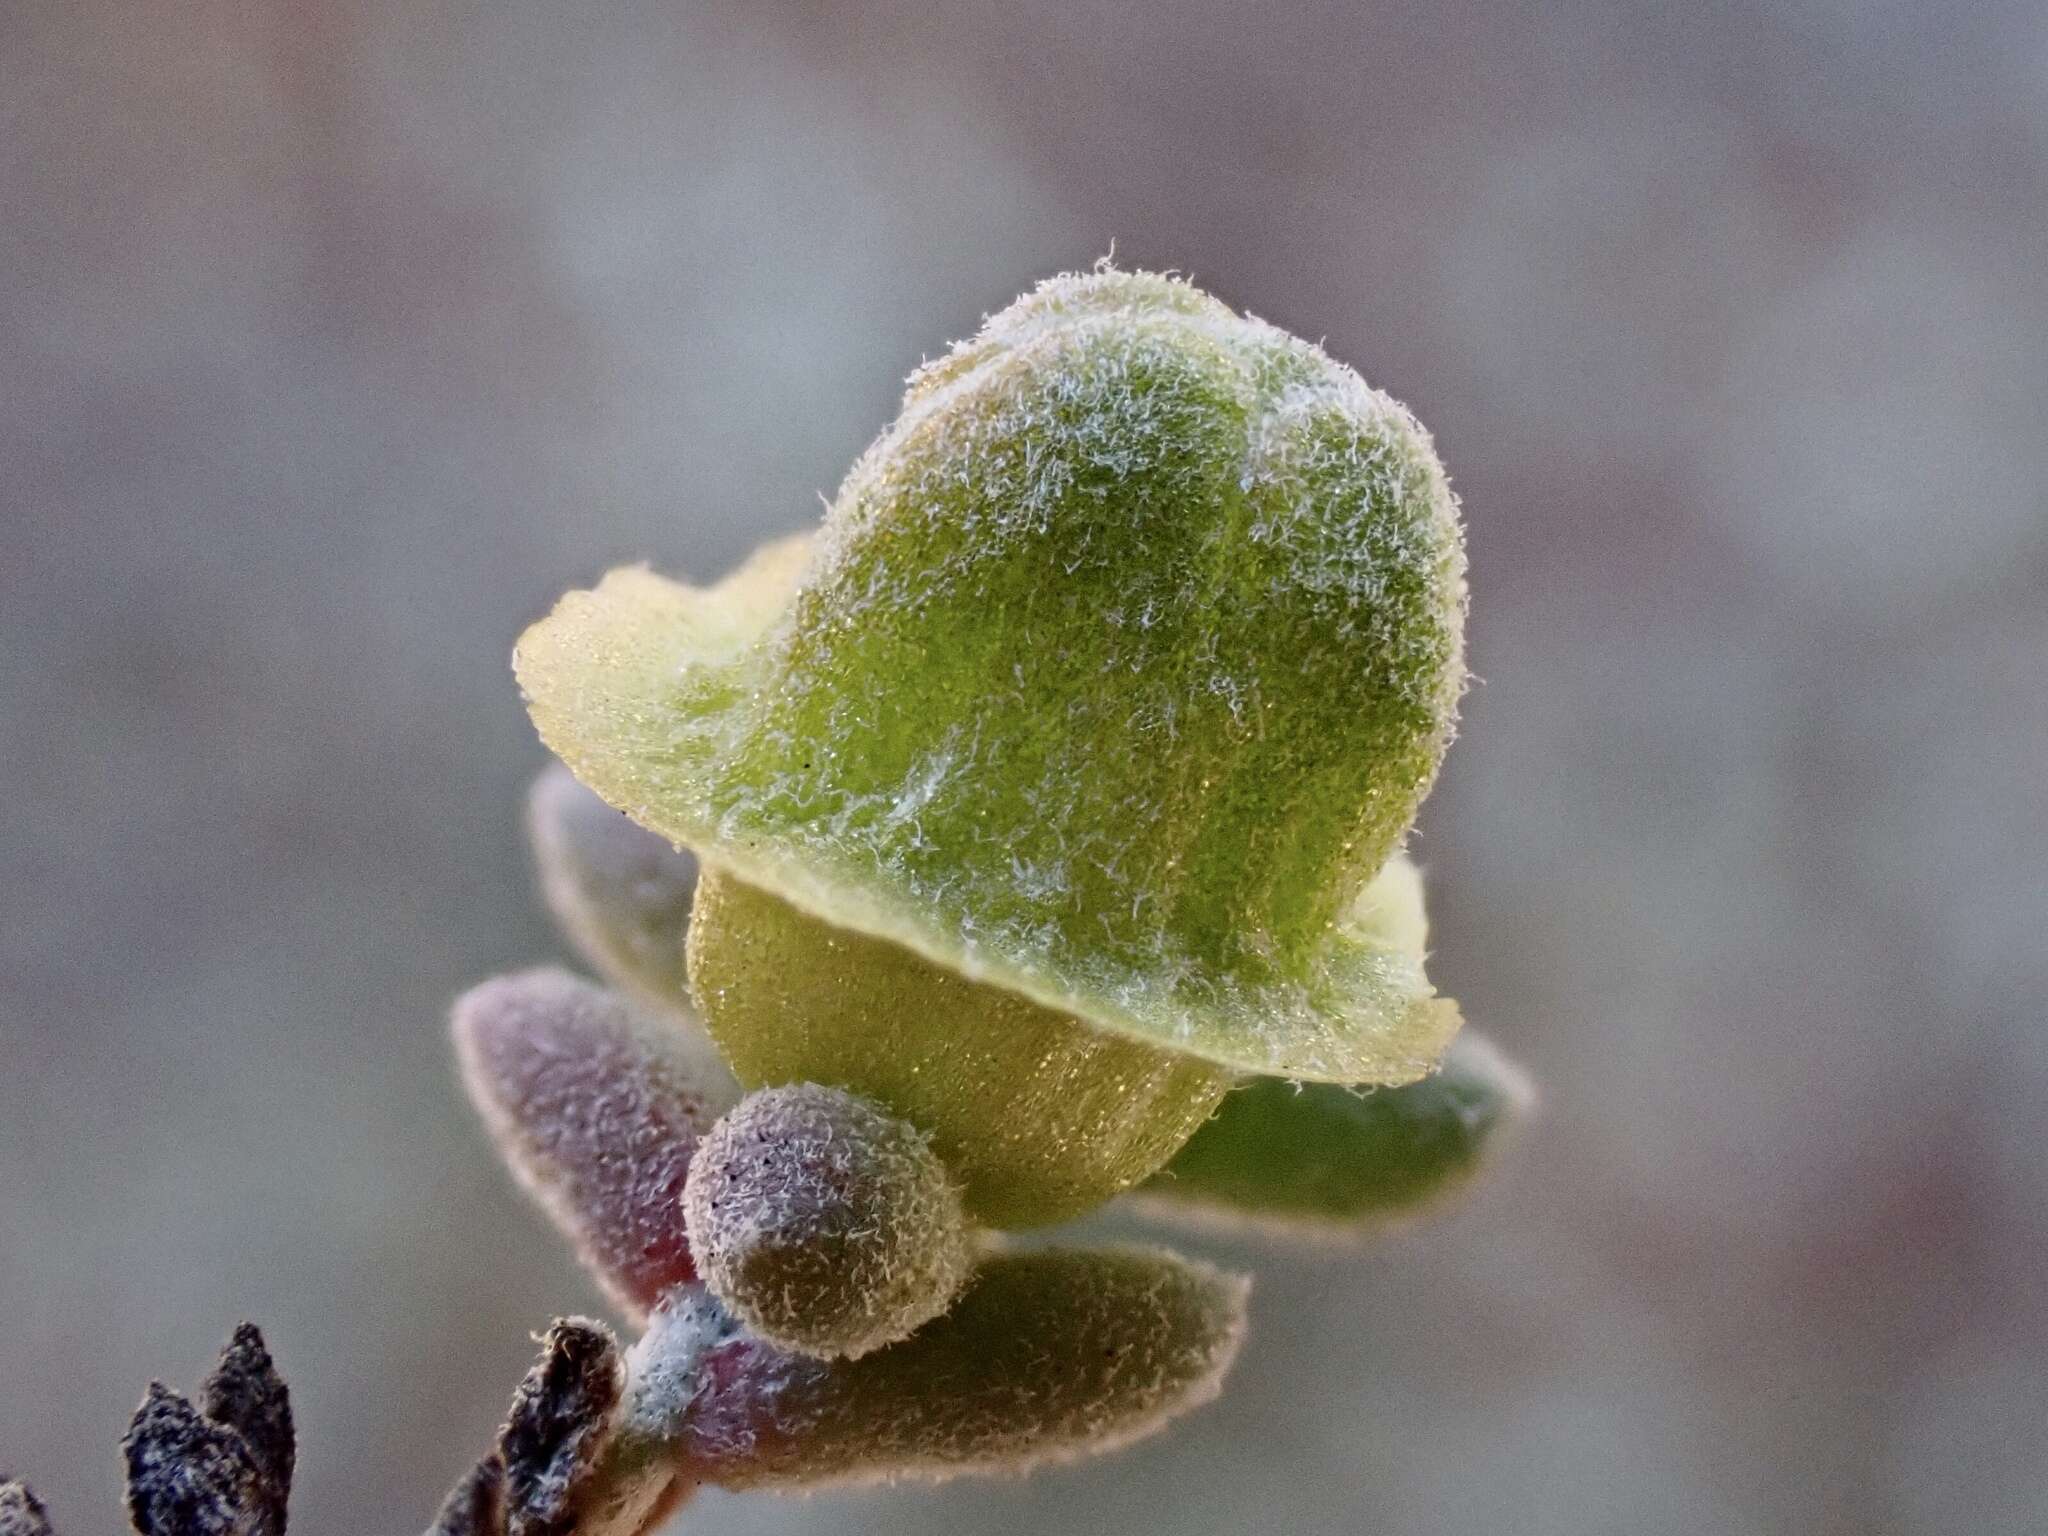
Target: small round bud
(825, 1225)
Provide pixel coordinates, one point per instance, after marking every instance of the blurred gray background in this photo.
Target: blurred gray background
(336, 338)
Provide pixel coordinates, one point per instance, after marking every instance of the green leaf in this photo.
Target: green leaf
(1318, 1157)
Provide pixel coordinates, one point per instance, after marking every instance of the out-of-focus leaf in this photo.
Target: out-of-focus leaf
(620, 893)
(1318, 1157)
(246, 1394)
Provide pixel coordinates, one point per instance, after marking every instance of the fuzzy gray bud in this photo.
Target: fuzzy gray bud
(829, 1227)
(1323, 1161)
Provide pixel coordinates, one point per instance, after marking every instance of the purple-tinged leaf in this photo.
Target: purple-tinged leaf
(597, 1104)
(1047, 1357)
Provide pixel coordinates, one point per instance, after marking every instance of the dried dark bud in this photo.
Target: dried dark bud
(561, 1418)
(21, 1512)
(224, 1472)
(246, 1394)
(1047, 1357)
(188, 1476)
(476, 1507)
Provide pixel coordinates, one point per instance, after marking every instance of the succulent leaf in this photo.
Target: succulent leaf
(1318, 1158)
(825, 1225)
(1046, 1357)
(597, 1105)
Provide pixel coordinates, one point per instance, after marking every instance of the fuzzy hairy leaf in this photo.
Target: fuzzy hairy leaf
(1046, 1357)
(1039, 1116)
(561, 1419)
(597, 1104)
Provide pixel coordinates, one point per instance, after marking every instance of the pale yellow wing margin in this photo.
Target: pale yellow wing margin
(633, 683)
(1379, 957)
